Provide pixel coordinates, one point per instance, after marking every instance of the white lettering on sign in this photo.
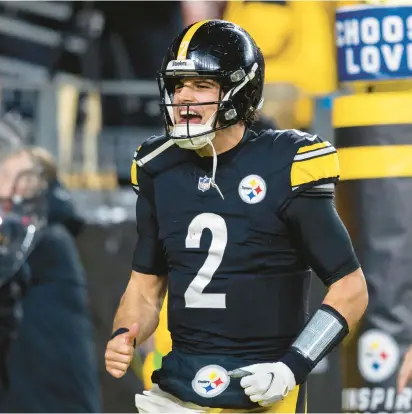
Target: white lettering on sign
(371, 31)
(386, 400)
(409, 56)
(392, 29)
(351, 67)
(409, 27)
(392, 55)
(370, 59)
(372, 45)
(340, 34)
(351, 32)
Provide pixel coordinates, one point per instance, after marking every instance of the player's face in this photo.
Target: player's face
(195, 90)
(18, 176)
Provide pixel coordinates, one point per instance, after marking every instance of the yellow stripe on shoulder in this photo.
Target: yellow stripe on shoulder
(314, 169)
(313, 147)
(133, 173)
(133, 168)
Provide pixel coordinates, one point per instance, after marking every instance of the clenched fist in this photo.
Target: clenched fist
(119, 352)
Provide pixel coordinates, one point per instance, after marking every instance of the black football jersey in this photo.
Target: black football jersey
(237, 283)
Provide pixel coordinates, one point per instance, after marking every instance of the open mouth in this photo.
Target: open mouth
(191, 117)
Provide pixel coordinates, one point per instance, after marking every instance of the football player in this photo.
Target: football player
(230, 224)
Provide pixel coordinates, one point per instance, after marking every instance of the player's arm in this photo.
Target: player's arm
(143, 298)
(324, 244)
(138, 314)
(141, 304)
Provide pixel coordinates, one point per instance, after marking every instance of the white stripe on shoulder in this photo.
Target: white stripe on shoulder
(308, 136)
(329, 186)
(155, 153)
(313, 154)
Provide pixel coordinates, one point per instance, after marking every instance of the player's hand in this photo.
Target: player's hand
(265, 384)
(405, 373)
(120, 351)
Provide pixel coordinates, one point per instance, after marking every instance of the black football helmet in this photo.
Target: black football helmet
(224, 52)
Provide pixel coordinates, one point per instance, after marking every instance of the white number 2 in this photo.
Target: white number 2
(194, 296)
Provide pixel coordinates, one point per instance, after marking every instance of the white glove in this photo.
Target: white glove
(265, 383)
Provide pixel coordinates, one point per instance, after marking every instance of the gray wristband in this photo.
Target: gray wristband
(322, 333)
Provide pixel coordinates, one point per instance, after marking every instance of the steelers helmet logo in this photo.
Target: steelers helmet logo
(210, 381)
(378, 355)
(252, 189)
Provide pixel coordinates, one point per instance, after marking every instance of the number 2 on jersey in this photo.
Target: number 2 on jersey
(194, 296)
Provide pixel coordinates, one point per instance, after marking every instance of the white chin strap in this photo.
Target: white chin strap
(212, 180)
(194, 129)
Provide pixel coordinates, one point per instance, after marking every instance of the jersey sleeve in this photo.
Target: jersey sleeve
(321, 237)
(149, 256)
(315, 165)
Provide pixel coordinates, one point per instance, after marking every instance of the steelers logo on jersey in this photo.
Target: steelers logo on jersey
(252, 189)
(210, 381)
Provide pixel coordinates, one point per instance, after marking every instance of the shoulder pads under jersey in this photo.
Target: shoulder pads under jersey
(141, 155)
(314, 161)
(155, 155)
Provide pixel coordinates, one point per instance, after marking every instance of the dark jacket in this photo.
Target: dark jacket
(52, 364)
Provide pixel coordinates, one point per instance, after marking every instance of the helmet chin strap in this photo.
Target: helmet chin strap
(199, 142)
(214, 168)
(194, 143)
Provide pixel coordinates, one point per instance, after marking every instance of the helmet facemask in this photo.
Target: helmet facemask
(192, 135)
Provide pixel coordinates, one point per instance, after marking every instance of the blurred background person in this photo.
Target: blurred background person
(60, 206)
(16, 238)
(51, 364)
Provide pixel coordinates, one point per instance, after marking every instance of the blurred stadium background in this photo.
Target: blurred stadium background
(82, 76)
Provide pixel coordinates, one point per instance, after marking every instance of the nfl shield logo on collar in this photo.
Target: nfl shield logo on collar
(204, 183)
